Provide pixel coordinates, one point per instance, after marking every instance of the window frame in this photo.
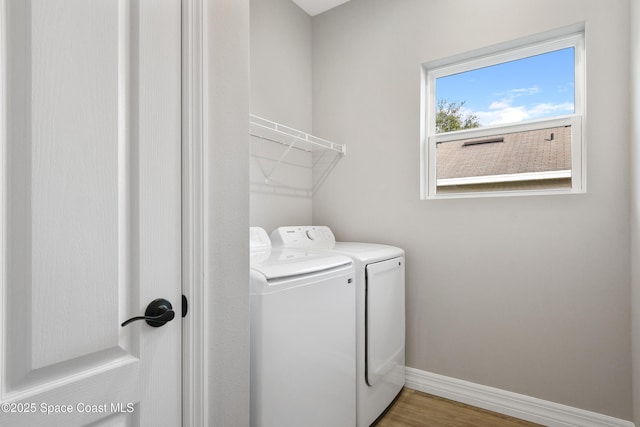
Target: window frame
(541, 44)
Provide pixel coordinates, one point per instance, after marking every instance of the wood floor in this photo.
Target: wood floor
(417, 409)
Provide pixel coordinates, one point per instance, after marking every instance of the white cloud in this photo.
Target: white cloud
(507, 98)
(501, 113)
(511, 108)
(546, 109)
(514, 93)
(499, 105)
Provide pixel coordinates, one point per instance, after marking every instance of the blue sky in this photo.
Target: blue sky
(530, 88)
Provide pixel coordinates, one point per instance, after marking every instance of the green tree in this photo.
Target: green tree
(450, 117)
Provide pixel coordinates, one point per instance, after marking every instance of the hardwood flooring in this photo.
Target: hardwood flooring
(416, 409)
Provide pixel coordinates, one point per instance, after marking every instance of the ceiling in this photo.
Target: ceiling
(314, 7)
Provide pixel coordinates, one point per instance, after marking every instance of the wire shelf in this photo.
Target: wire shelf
(291, 179)
(291, 137)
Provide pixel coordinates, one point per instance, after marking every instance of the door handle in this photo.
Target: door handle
(158, 313)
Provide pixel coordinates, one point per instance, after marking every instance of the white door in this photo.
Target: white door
(90, 190)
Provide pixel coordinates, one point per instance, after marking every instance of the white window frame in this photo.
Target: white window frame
(540, 44)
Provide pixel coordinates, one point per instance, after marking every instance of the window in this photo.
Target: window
(507, 120)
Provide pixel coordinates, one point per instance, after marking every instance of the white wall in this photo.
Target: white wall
(527, 294)
(227, 219)
(635, 202)
(281, 92)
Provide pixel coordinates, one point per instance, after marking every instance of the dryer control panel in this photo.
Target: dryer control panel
(308, 236)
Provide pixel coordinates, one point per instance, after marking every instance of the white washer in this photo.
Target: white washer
(303, 356)
(380, 308)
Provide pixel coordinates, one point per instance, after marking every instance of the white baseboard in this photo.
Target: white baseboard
(508, 403)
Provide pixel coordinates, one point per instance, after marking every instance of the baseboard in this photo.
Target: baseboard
(508, 403)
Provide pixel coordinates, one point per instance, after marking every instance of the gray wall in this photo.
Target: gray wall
(280, 91)
(227, 219)
(527, 294)
(635, 202)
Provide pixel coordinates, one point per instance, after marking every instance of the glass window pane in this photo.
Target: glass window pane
(535, 159)
(535, 87)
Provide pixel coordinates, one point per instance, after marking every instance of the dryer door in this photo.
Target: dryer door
(384, 321)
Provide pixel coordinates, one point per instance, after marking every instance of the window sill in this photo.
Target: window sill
(502, 193)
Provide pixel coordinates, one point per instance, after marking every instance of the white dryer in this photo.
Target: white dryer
(303, 357)
(380, 310)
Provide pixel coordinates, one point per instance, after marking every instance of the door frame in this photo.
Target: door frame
(216, 98)
(195, 410)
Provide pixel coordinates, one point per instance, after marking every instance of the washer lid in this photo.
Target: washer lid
(289, 262)
(367, 252)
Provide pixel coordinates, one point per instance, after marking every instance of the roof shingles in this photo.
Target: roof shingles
(520, 152)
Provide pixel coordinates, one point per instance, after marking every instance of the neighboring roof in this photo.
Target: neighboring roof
(521, 152)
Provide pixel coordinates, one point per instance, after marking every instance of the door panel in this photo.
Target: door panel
(385, 320)
(73, 173)
(91, 213)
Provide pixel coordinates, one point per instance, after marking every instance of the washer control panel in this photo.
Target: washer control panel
(308, 236)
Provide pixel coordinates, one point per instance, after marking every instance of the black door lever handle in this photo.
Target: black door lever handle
(157, 314)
